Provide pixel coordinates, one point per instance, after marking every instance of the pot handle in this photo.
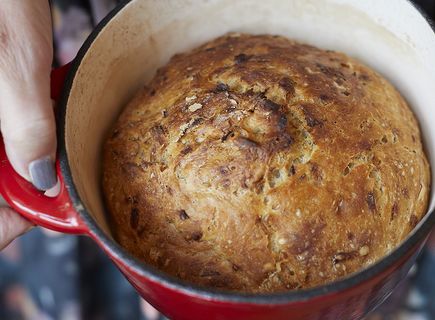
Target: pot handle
(56, 213)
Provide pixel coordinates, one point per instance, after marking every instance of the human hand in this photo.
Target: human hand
(26, 113)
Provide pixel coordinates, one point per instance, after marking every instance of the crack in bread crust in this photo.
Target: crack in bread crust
(259, 164)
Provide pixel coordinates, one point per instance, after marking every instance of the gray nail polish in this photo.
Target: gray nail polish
(43, 174)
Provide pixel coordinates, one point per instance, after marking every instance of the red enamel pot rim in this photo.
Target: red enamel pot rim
(415, 238)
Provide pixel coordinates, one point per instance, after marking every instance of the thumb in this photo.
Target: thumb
(28, 128)
(26, 113)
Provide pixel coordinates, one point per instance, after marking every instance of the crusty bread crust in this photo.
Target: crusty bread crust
(259, 164)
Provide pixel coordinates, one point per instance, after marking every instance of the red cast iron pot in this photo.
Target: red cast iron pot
(125, 50)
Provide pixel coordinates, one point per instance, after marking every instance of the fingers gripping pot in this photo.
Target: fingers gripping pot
(141, 35)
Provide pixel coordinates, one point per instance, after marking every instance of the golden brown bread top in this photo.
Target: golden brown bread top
(259, 164)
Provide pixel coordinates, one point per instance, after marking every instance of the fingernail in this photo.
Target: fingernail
(42, 173)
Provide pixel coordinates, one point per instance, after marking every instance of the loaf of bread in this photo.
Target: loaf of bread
(260, 164)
